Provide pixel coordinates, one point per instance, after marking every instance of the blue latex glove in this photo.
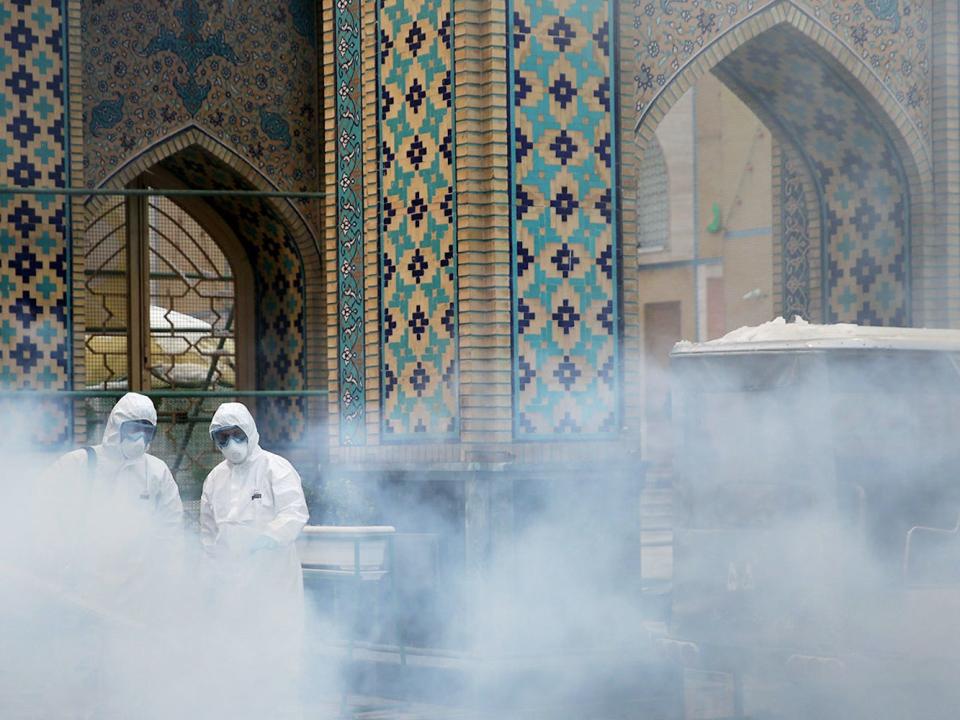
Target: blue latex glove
(263, 542)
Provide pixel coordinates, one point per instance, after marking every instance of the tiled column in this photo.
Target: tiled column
(39, 147)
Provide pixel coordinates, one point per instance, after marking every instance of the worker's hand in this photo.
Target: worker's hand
(264, 542)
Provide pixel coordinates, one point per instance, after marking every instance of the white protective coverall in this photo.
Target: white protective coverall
(112, 542)
(146, 479)
(260, 605)
(262, 495)
(120, 514)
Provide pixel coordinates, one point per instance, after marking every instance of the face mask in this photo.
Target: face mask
(235, 451)
(133, 448)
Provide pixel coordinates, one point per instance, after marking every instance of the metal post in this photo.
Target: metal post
(356, 591)
(394, 604)
(138, 334)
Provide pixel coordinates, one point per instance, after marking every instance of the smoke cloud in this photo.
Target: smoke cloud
(798, 478)
(105, 613)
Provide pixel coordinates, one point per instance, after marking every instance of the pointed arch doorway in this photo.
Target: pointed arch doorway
(167, 298)
(169, 306)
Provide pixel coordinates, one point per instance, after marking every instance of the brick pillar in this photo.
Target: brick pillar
(483, 217)
(937, 264)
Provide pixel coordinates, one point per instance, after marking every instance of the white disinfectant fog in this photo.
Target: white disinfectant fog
(798, 476)
(107, 613)
(806, 455)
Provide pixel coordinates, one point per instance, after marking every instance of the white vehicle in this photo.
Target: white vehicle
(817, 546)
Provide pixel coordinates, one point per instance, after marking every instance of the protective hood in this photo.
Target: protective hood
(131, 406)
(236, 415)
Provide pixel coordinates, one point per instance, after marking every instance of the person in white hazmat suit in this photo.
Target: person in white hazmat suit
(251, 511)
(119, 502)
(121, 465)
(112, 544)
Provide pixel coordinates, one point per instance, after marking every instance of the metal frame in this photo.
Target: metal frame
(179, 192)
(157, 394)
(137, 229)
(357, 575)
(138, 303)
(73, 402)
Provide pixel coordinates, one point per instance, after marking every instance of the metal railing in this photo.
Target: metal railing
(358, 558)
(290, 422)
(87, 192)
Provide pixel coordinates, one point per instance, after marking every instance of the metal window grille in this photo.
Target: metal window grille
(653, 200)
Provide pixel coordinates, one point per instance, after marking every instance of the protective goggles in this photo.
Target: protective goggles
(135, 429)
(223, 436)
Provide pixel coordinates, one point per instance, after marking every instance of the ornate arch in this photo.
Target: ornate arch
(909, 139)
(281, 246)
(906, 155)
(299, 227)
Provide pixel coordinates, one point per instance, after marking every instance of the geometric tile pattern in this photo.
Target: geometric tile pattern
(350, 257)
(893, 39)
(565, 245)
(795, 240)
(280, 289)
(244, 71)
(34, 232)
(418, 265)
(860, 180)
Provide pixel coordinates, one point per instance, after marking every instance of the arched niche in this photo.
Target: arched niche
(284, 260)
(866, 160)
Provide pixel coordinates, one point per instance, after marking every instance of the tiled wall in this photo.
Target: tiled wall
(245, 73)
(35, 232)
(565, 222)
(418, 265)
(568, 295)
(860, 181)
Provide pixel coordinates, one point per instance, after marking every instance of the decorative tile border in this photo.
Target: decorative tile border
(794, 240)
(350, 251)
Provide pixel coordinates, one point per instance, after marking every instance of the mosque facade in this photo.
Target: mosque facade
(434, 211)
